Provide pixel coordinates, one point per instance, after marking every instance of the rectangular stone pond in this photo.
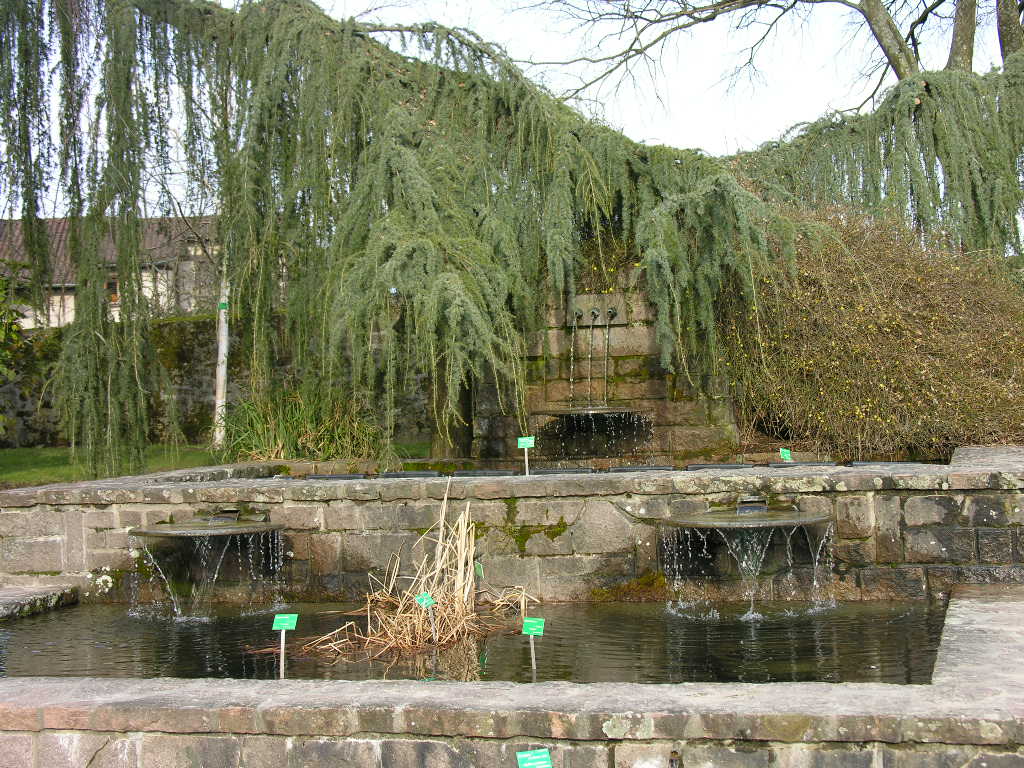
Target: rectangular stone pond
(904, 531)
(971, 714)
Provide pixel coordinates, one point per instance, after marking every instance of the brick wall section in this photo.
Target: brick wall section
(903, 531)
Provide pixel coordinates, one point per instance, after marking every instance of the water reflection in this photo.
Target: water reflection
(583, 642)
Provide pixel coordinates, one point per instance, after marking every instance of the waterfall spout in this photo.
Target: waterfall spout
(612, 312)
(594, 314)
(576, 315)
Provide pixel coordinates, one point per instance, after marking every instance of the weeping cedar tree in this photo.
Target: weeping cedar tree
(385, 217)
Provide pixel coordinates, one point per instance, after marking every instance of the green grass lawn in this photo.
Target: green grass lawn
(38, 466)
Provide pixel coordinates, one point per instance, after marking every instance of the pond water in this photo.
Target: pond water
(583, 642)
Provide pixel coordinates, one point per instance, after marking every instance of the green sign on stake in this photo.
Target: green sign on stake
(425, 600)
(527, 442)
(533, 626)
(534, 758)
(785, 454)
(285, 621)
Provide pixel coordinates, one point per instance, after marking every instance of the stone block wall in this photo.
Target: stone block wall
(114, 749)
(901, 531)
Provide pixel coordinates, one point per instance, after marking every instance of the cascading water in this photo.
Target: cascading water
(592, 428)
(576, 315)
(181, 577)
(745, 536)
(607, 345)
(822, 556)
(594, 314)
(748, 547)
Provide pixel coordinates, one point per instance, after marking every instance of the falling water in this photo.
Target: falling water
(607, 339)
(157, 571)
(576, 315)
(594, 314)
(821, 555)
(748, 547)
(688, 562)
(203, 548)
(260, 561)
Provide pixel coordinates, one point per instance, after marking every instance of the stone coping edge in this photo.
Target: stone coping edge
(705, 482)
(976, 697)
(972, 468)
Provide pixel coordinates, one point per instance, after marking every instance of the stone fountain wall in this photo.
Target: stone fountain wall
(902, 531)
(561, 372)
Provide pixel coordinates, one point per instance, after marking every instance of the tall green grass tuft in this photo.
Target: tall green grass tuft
(306, 424)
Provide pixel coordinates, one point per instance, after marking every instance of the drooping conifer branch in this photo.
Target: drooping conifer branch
(943, 151)
(386, 217)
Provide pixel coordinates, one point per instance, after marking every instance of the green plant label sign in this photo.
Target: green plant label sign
(425, 600)
(785, 454)
(527, 442)
(285, 620)
(534, 758)
(222, 305)
(533, 626)
(479, 567)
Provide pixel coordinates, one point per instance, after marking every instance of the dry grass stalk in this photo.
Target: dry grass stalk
(396, 624)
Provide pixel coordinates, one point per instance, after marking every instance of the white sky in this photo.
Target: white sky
(809, 70)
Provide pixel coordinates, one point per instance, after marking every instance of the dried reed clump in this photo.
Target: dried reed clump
(396, 624)
(874, 346)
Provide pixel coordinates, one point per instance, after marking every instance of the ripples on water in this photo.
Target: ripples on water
(583, 642)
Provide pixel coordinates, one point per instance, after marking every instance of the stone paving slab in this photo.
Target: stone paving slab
(17, 602)
(976, 698)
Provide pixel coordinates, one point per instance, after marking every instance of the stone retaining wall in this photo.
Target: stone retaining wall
(971, 715)
(902, 530)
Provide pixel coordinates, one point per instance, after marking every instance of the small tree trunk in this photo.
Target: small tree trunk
(961, 49)
(890, 40)
(220, 388)
(459, 441)
(1011, 33)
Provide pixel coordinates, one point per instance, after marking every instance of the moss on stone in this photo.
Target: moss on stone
(650, 586)
(556, 530)
(511, 510)
(521, 534)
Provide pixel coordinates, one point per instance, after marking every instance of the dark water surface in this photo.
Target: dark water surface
(583, 642)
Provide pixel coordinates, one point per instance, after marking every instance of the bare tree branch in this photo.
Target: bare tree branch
(641, 28)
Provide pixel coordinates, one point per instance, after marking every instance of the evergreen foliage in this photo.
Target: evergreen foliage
(383, 217)
(944, 151)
